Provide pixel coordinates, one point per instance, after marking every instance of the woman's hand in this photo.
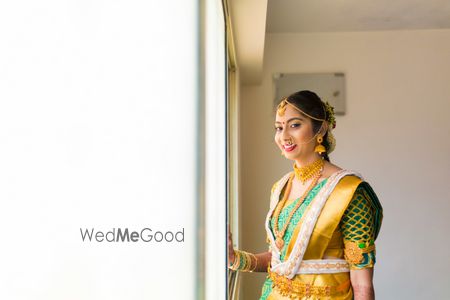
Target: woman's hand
(362, 284)
(231, 255)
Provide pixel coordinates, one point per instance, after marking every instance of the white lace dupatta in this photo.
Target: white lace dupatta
(291, 266)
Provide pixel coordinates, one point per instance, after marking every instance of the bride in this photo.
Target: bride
(322, 220)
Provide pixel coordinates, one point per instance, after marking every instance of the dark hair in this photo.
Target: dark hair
(311, 104)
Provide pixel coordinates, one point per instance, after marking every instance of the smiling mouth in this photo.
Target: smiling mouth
(289, 148)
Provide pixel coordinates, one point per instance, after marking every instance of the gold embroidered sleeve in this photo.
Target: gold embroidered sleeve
(360, 226)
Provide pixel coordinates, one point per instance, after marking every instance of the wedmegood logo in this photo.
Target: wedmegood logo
(124, 235)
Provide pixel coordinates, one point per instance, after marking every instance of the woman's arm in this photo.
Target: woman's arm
(362, 284)
(360, 226)
(263, 260)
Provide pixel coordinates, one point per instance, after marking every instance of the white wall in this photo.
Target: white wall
(98, 129)
(395, 132)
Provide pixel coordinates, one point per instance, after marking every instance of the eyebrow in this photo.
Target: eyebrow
(291, 119)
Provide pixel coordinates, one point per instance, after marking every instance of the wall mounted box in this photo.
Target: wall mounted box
(328, 86)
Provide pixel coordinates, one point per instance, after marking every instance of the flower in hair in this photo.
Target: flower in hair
(330, 114)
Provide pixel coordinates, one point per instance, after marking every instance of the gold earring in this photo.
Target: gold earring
(320, 148)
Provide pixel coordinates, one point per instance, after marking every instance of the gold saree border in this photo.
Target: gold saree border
(329, 218)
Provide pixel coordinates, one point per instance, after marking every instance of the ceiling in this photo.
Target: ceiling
(356, 15)
(252, 19)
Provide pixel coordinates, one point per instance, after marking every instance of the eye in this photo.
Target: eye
(278, 128)
(295, 125)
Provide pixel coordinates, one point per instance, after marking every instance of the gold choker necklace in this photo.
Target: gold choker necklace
(308, 172)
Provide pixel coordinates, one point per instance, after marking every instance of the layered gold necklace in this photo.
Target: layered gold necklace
(316, 173)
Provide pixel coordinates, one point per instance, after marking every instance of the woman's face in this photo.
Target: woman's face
(297, 128)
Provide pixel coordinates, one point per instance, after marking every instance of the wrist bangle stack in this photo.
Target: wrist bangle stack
(244, 261)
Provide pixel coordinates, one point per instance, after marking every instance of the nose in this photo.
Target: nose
(285, 136)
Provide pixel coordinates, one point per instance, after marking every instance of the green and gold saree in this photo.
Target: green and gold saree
(331, 233)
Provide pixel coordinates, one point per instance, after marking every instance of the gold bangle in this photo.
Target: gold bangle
(256, 262)
(236, 261)
(247, 262)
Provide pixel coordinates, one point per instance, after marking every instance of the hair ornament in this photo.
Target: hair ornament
(332, 122)
(330, 115)
(281, 108)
